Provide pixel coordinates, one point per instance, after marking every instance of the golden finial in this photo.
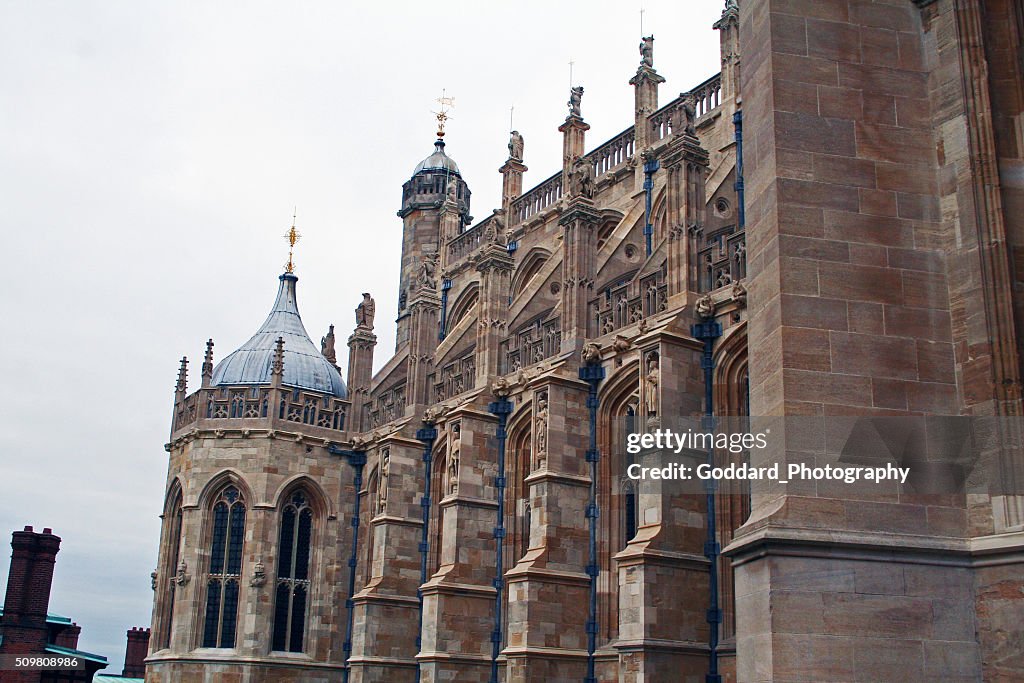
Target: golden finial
(292, 236)
(443, 115)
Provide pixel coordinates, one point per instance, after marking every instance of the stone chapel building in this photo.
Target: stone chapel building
(837, 219)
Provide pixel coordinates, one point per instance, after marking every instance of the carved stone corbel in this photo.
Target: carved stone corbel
(259, 575)
(182, 577)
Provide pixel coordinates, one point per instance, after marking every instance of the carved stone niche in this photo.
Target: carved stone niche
(540, 438)
(454, 455)
(652, 378)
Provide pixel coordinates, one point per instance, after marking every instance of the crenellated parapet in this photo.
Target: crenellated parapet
(246, 409)
(615, 157)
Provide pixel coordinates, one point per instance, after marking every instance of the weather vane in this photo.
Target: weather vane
(443, 115)
(292, 236)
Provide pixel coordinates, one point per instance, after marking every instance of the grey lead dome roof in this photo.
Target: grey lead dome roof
(438, 161)
(304, 366)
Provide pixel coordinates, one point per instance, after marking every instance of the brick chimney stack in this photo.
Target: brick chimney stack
(28, 596)
(135, 653)
(68, 637)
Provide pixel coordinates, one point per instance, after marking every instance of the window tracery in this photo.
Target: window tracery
(226, 541)
(293, 582)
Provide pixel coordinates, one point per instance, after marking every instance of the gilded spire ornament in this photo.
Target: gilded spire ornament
(292, 236)
(442, 116)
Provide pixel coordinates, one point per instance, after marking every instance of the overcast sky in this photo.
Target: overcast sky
(150, 157)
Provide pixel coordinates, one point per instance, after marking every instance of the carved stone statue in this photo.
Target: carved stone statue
(327, 346)
(500, 388)
(739, 294)
(515, 146)
(541, 424)
(496, 227)
(428, 270)
(705, 307)
(364, 312)
(181, 577)
(385, 469)
(651, 386)
(259, 575)
(581, 182)
(647, 51)
(621, 345)
(453, 188)
(688, 114)
(591, 353)
(575, 98)
(453, 461)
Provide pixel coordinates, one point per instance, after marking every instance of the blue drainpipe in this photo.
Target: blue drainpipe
(592, 373)
(649, 168)
(737, 120)
(708, 331)
(357, 459)
(502, 408)
(446, 285)
(427, 436)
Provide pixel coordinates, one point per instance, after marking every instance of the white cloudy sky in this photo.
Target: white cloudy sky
(150, 156)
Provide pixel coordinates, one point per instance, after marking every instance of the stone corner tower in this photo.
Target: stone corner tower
(257, 511)
(435, 209)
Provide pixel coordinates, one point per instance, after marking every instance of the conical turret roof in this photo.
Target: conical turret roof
(304, 366)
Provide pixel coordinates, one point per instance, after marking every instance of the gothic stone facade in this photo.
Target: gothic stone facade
(864, 259)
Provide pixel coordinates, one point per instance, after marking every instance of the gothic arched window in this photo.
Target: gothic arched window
(630, 506)
(293, 574)
(630, 516)
(225, 569)
(170, 567)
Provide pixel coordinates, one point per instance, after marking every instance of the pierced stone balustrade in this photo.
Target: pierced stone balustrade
(260, 407)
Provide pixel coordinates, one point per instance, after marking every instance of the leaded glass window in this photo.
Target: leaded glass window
(292, 587)
(225, 572)
(174, 552)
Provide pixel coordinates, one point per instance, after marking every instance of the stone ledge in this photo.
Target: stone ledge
(517, 575)
(237, 660)
(558, 477)
(665, 558)
(683, 646)
(984, 551)
(467, 501)
(382, 661)
(462, 657)
(546, 652)
(393, 519)
(848, 545)
(443, 587)
(997, 549)
(364, 597)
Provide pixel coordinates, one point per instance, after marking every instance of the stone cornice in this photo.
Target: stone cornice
(559, 477)
(467, 501)
(250, 433)
(859, 545)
